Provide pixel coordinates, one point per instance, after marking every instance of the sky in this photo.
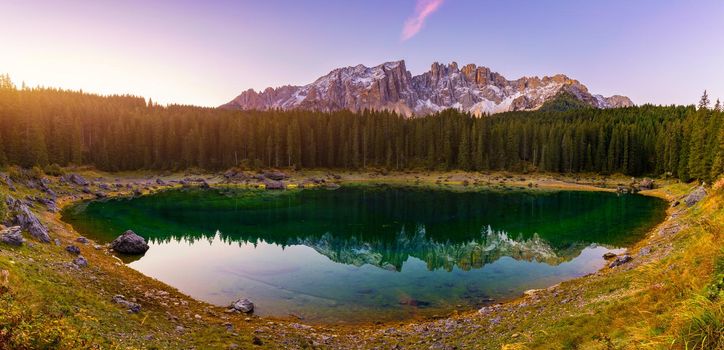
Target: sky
(206, 52)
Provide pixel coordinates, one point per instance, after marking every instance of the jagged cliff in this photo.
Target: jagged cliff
(390, 86)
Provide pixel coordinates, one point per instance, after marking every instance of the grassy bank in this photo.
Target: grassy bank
(668, 296)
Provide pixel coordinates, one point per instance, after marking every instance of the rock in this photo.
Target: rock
(204, 185)
(137, 192)
(131, 306)
(273, 185)
(74, 179)
(81, 239)
(57, 242)
(104, 186)
(23, 217)
(12, 236)
(129, 243)
(695, 196)
(646, 184)
(72, 249)
(331, 186)
(276, 175)
(100, 194)
(180, 329)
(620, 261)
(256, 341)
(160, 182)
(80, 261)
(609, 255)
(243, 305)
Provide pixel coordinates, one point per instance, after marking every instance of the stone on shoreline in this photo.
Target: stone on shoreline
(129, 243)
(620, 261)
(273, 185)
(242, 305)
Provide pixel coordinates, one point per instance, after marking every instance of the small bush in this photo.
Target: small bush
(36, 172)
(54, 170)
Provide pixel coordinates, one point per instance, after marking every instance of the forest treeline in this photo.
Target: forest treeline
(42, 126)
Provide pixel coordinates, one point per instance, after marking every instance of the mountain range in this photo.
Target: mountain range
(390, 86)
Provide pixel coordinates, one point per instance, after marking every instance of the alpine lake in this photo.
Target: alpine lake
(368, 253)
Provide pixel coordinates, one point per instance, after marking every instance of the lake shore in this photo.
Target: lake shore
(74, 305)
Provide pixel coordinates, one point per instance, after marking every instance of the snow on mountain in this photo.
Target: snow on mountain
(389, 86)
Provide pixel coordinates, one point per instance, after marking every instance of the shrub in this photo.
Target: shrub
(54, 170)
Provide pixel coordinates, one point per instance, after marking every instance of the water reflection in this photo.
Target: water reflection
(363, 254)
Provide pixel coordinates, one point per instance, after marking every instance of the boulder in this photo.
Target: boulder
(695, 196)
(129, 243)
(72, 249)
(620, 261)
(160, 182)
(273, 185)
(12, 236)
(75, 179)
(646, 184)
(276, 175)
(20, 215)
(80, 261)
(243, 305)
(131, 306)
(609, 255)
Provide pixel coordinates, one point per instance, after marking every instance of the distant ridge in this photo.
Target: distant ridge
(390, 86)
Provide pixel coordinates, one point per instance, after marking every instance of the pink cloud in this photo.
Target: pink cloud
(423, 9)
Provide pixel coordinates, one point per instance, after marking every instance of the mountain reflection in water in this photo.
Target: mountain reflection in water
(363, 253)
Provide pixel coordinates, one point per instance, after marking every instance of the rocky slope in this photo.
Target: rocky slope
(390, 86)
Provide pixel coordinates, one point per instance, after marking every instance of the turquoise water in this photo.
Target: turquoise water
(360, 254)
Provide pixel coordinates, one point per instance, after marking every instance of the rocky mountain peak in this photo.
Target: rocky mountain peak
(390, 86)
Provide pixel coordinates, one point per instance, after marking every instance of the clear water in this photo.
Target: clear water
(361, 254)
